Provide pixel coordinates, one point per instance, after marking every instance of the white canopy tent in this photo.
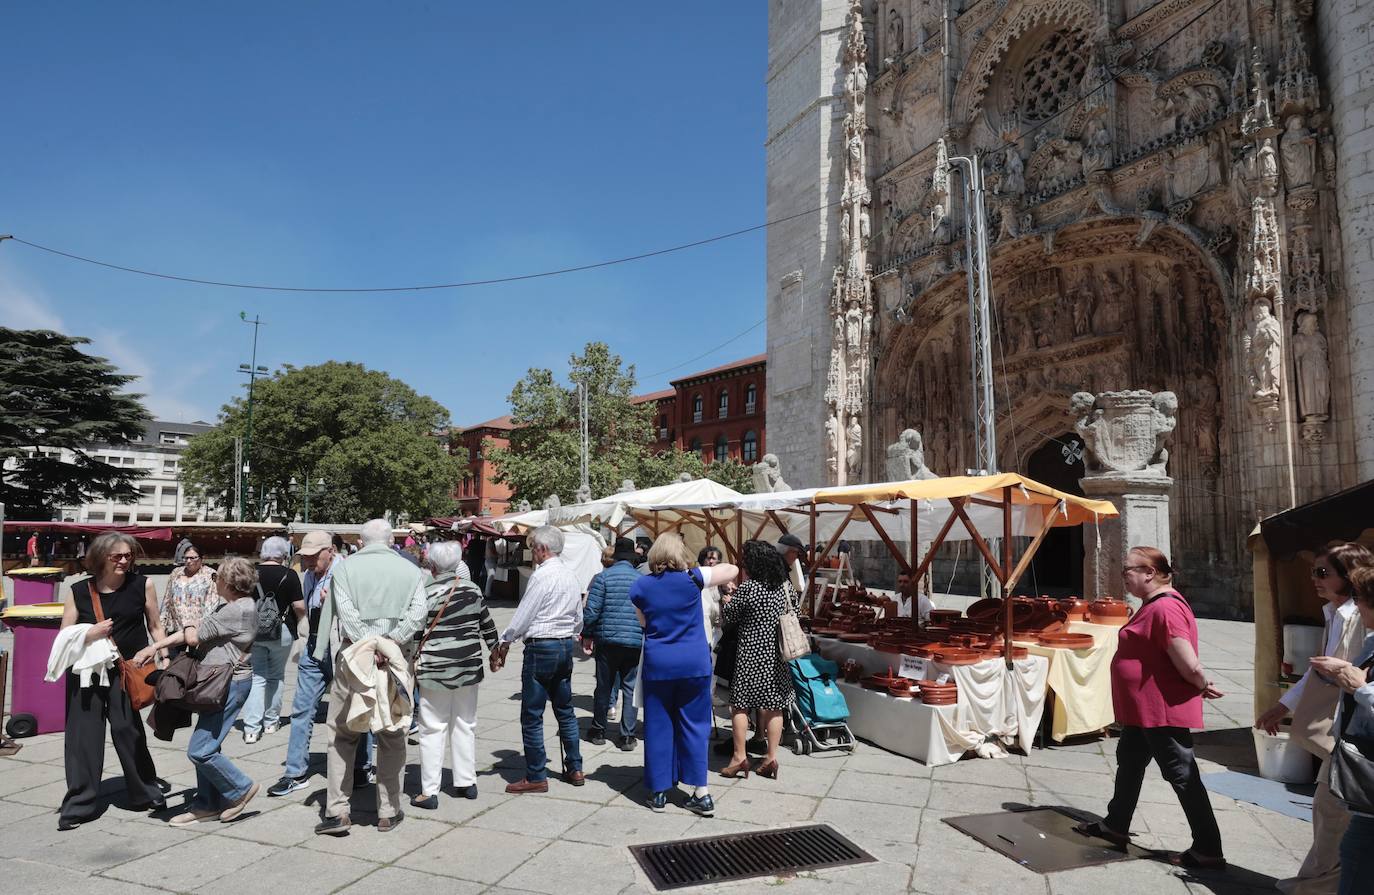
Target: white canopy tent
(613, 509)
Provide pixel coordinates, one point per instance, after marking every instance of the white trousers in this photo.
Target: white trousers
(448, 718)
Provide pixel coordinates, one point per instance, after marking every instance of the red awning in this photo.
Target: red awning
(145, 532)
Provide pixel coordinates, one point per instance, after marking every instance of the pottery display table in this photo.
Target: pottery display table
(994, 702)
(1081, 681)
(906, 726)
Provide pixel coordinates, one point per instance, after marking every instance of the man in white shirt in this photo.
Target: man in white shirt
(548, 620)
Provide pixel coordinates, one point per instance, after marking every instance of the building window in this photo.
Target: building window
(749, 447)
(751, 396)
(145, 517)
(172, 437)
(723, 405)
(663, 427)
(119, 517)
(169, 467)
(696, 446)
(697, 405)
(95, 516)
(145, 494)
(169, 498)
(722, 446)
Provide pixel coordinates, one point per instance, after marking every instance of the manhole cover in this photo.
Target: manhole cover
(714, 859)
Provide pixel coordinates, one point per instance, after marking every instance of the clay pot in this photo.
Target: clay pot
(901, 688)
(852, 670)
(1109, 612)
(958, 656)
(1076, 608)
(1067, 641)
(987, 609)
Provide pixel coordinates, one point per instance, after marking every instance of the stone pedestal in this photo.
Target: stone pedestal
(1143, 501)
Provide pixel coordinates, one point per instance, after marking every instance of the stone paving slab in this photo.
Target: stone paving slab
(573, 840)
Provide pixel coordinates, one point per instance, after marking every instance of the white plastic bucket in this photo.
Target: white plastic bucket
(1280, 760)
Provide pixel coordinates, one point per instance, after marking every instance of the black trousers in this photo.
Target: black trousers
(1172, 749)
(88, 710)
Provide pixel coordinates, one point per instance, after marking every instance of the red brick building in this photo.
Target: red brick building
(478, 493)
(718, 412)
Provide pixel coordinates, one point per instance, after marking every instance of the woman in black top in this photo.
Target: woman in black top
(129, 604)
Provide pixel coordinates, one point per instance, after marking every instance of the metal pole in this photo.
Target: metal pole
(584, 423)
(238, 479)
(252, 370)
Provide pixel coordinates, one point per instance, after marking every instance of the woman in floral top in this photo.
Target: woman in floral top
(190, 594)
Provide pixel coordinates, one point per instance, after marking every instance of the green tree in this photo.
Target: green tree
(373, 440)
(544, 454)
(54, 396)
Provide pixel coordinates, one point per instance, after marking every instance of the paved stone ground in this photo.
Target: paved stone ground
(573, 839)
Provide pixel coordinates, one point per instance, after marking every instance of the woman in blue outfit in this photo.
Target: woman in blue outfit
(676, 679)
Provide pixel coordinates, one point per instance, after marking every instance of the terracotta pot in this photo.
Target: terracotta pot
(1076, 608)
(1109, 612)
(852, 670)
(938, 699)
(900, 688)
(958, 656)
(989, 608)
(1067, 641)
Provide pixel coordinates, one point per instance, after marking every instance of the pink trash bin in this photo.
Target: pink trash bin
(36, 585)
(36, 706)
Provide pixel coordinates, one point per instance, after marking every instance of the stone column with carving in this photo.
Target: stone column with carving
(851, 299)
(1124, 434)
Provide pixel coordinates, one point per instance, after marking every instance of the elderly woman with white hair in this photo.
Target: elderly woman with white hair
(280, 604)
(448, 668)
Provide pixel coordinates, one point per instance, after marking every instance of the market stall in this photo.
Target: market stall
(1000, 697)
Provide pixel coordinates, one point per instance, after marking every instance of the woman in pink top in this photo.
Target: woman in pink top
(1157, 690)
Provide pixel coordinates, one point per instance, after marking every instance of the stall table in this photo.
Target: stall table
(906, 726)
(1081, 681)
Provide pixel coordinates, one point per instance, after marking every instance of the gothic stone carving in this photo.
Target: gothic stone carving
(768, 475)
(906, 458)
(1125, 432)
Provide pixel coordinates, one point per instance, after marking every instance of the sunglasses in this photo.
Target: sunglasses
(120, 557)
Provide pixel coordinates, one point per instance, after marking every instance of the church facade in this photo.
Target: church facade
(1178, 196)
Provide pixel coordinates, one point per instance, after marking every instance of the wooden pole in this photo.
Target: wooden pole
(914, 552)
(1007, 582)
(892, 547)
(982, 545)
(811, 573)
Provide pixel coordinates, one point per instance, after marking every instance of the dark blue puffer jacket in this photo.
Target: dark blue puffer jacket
(609, 616)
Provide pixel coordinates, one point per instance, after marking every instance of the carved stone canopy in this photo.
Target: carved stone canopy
(1124, 432)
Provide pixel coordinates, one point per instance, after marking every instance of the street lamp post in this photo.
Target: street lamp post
(253, 371)
(307, 487)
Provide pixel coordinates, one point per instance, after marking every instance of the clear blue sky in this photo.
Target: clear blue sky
(346, 144)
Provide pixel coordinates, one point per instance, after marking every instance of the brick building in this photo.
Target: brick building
(478, 492)
(718, 412)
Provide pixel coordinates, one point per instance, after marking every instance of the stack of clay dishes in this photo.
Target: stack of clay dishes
(958, 655)
(994, 651)
(902, 688)
(853, 637)
(988, 610)
(1076, 608)
(1065, 640)
(945, 616)
(852, 671)
(939, 694)
(1108, 611)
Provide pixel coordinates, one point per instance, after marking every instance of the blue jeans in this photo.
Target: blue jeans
(218, 782)
(1357, 856)
(613, 662)
(269, 671)
(546, 676)
(312, 679)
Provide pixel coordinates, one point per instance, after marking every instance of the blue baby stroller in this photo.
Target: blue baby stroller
(819, 714)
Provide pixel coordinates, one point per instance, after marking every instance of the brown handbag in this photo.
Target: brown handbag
(132, 678)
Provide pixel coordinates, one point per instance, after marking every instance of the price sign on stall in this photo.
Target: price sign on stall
(912, 667)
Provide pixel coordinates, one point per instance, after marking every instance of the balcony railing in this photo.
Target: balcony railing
(749, 408)
(724, 412)
(696, 416)
(663, 434)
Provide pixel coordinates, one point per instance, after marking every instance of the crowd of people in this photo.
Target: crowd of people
(396, 640)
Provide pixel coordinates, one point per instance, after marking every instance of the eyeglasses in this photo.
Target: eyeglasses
(1321, 572)
(120, 557)
(1125, 569)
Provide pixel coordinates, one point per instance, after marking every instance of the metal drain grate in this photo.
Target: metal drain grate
(714, 859)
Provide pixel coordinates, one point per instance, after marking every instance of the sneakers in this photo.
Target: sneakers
(704, 806)
(596, 736)
(235, 809)
(659, 802)
(251, 737)
(626, 744)
(286, 786)
(271, 727)
(194, 816)
(334, 826)
(613, 714)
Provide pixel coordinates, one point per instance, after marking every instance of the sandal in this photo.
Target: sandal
(1095, 830)
(1196, 862)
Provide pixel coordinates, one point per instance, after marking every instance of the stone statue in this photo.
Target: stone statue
(1125, 432)
(626, 486)
(1313, 368)
(906, 458)
(1013, 173)
(685, 477)
(853, 327)
(523, 506)
(832, 444)
(854, 448)
(1083, 301)
(1298, 149)
(583, 495)
(768, 475)
(1263, 351)
(1097, 148)
(894, 33)
(552, 502)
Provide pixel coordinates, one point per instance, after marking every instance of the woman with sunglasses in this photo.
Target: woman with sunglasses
(129, 608)
(1312, 702)
(190, 593)
(1158, 686)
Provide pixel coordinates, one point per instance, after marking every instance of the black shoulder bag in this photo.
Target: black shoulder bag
(1352, 760)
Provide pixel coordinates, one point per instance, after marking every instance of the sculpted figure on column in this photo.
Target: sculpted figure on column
(832, 447)
(906, 458)
(1313, 368)
(583, 495)
(768, 475)
(1297, 148)
(854, 448)
(1263, 351)
(552, 502)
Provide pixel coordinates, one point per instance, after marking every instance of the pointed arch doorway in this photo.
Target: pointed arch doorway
(1058, 567)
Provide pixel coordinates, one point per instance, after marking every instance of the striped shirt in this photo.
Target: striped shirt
(452, 656)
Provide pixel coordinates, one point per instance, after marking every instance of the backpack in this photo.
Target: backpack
(269, 616)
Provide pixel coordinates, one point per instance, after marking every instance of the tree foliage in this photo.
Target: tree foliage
(544, 453)
(53, 396)
(372, 439)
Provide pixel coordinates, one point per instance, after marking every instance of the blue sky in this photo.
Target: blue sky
(362, 144)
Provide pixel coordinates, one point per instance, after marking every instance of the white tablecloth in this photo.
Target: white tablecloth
(906, 726)
(1081, 681)
(998, 706)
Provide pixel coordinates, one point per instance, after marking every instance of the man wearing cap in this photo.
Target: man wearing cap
(318, 561)
(792, 550)
(610, 626)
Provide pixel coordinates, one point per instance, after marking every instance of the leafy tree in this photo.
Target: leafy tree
(54, 396)
(372, 439)
(544, 454)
